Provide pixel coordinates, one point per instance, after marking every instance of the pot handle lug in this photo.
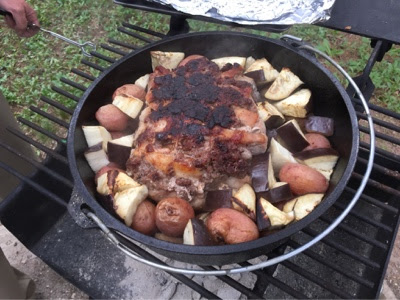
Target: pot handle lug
(295, 42)
(77, 209)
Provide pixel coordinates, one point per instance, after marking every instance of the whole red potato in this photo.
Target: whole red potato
(112, 118)
(172, 215)
(316, 141)
(144, 219)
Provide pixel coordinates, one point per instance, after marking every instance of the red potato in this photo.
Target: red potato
(316, 141)
(105, 169)
(172, 215)
(144, 219)
(130, 90)
(230, 226)
(303, 179)
(112, 118)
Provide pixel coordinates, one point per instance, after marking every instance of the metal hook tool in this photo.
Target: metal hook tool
(82, 46)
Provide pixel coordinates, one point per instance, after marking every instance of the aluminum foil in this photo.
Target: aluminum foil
(253, 12)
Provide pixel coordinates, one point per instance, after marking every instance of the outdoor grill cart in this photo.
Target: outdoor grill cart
(341, 251)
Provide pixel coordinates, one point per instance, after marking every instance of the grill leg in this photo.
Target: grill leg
(7, 120)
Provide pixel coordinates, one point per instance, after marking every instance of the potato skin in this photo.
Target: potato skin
(316, 141)
(130, 90)
(303, 179)
(230, 226)
(112, 118)
(172, 215)
(144, 219)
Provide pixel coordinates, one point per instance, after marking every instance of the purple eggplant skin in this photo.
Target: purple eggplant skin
(118, 154)
(258, 76)
(201, 236)
(259, 172)
(263, 221)
(217, 199)
(277, 194)
(274, 121)
(290, 137)
(303, 155)
(322, 125)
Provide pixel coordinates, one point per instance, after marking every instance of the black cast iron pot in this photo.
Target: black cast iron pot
(330, 100)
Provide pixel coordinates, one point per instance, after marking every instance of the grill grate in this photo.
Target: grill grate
(349, 263)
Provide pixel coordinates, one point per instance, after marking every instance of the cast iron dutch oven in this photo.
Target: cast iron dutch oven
(330, 100)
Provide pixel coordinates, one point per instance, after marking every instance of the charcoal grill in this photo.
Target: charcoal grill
(349, 263)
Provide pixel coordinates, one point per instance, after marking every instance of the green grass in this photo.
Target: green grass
(28, 67)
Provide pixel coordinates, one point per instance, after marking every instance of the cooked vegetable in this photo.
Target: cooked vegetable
(119, 150)
(95, 135)
(306, 204)
(144, 220)
(316, 141)
(281, 192)
(130, 91)
(127, 201)
(271, 116)
(168, 60)
(96, 157)
(260, 172)
(105, 169)
(142, 82)
(129, 105)
(322, 125)
(172, 215)
(303, 179)
(268, 73)
(196, 233)
(114, 181)
(291, 137)
(222, 61)
(321, 159)
(296, 105)
(280, 156)
(283, 86)
(217, 199)
(270, 217)
(227, 225)
(112, 118)
(245, 200)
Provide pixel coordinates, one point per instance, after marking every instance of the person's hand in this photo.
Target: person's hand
(22, 15)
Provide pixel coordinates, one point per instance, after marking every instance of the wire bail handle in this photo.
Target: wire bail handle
(298, 43)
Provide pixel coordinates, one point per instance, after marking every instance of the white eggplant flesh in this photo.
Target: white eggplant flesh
(95, 135)
(296, 105)
(168, 60)
(131, 106)
(283, 86)
(127, 201)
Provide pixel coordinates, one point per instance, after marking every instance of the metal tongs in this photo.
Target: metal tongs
(82, 46)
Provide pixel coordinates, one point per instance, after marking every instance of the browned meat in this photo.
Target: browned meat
(201, 125)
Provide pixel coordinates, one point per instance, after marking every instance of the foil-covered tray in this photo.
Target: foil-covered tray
(254, 12)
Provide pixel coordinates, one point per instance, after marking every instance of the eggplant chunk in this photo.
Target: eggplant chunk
(222, 61)
(217, 199)
(296, 105)
(245, 200)
(196, 233)
(277, 194)
(271, 116)
(96, 157)
(143, 81)
(268, 71)
(119, 149)
(269, 217)
(127, 201)
(114, 181)
(280, 156)
(291, 136)
(168, 60)
(306, 204)
(260, 172)
(283, 86)
(95, 135)
(131, 106)
(322, 125)
(289, 206)
(321, 158)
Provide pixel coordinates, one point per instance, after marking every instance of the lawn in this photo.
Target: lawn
(28, 67)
